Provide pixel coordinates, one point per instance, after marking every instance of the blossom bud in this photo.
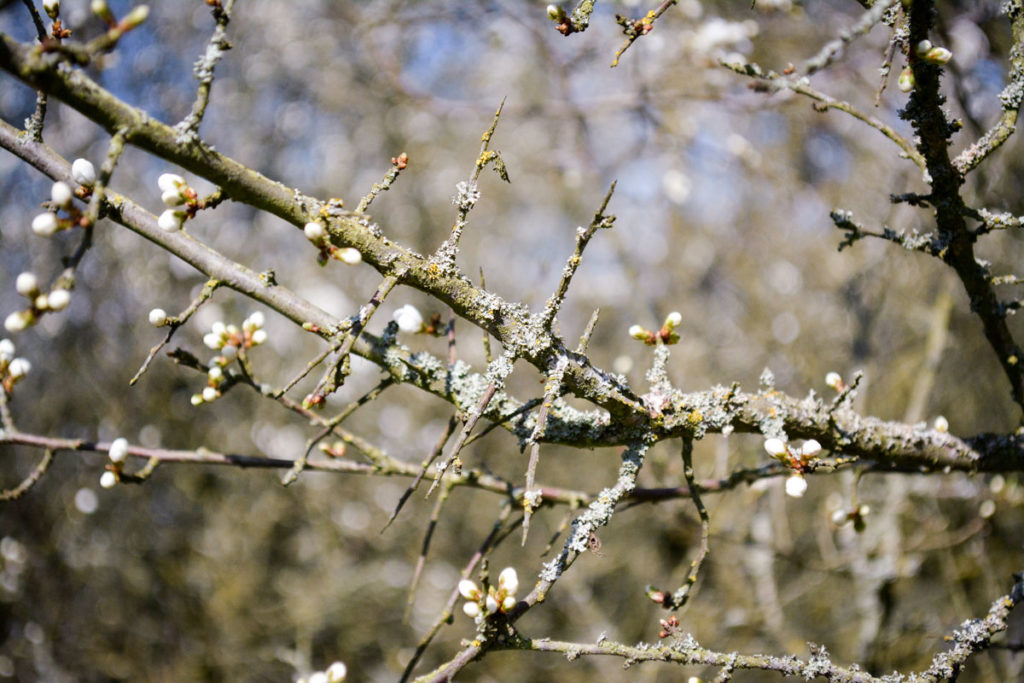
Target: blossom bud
(254, 321)
(213, 341)
(336, 672)
(923, 47)
(317, 677)
(775, 447)
(196, 399)
(508, 580)
(941, 424)
(471, 609)
(349, 256)
(259, 337)
(172, 198)
(638, 332)
(508, 603)
(157, 317)
(59, 299)
(409, 319)
(45, 224)
(136, 16)
(52, 8)
(491, 604)
(60, 193)
(673, 320)
(27, 284)
(210, 394)
(811, 448)
(83, 172)
(938, 55)
(6, 350)
(101, 9)
(796, 486)
(168, 182)
(906, 80)
(108, 480)
(118, 450)
(840, 517)
(171, 220)
(41, 303)
(314, 231)
(834, 380)
(19, 320)
(18, 368)
(229, 352)
(469, 590)
(554, 12)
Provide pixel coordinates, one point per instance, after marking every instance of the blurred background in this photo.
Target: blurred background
(723, 204)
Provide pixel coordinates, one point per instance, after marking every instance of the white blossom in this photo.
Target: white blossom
(796, 486)
(336, 672)
(508, 580)
(60, 193)
(834, 381)
(83, 172)
(409, 319)
(118, 450)
(157, 317)
(210, 394)
(673, 320)
(811, 448)
(638, 332)
(941, 424)
(59, 299)
(775, 447)
(6, 350)
(45, 224)
(108, 480)
(314, 231)
(27, 284)
(18, 321)
(349, 256)
(171, 220)
(18, 368)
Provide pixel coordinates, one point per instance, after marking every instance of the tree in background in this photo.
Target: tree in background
(585, 375)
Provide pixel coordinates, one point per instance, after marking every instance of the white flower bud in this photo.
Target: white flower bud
(18, 321)
(471, 609)
(468, 590)
(254, 321)
(796, 486)
(259, 337)
(349, 256)
(6, 350)
(27, 284)
(172, 198)
(52, 8)
(157, 317)
(45, 224)
(508, 581)
(213, 341)
(108, 480)
(318, 677)
(83, 172)
(491, 604)
(171, 220)
(409, 319)
(923, 47)
(336, 672)
(554, 12)
(229, 352)
(118, 450)
(18, 368)
(138, 15)
(938, 55)
(196, 399)
(508, 603)
(775, 447)
(41, 303)
(59, 299)
(210, 394)
(673, 320)
(941, 424)
(60, 193)
(638, 332)
(314, 231)
(834, 380)
(219, 328)
(906, 80)
(840, 517)
(168, 182)
(811, 448)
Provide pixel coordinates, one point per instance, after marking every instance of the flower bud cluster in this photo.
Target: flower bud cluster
(27, 285)
(316, 233)
(666, 335)
(228, 340)
(12, 369)
(335, 673)
(175, 193)
(798, 459)
(61, 194)
(480, 604)
(118, 453)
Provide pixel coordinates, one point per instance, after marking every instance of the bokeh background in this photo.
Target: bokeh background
(723, 203)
